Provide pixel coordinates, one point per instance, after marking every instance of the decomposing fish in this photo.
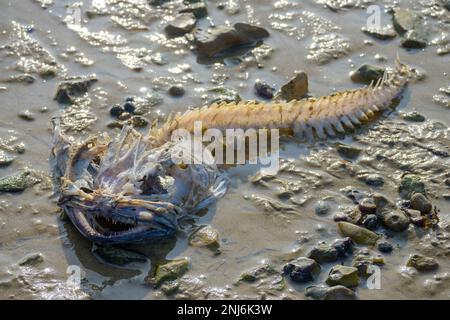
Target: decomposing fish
(130, 188)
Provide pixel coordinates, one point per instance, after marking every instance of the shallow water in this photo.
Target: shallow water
(124, 45)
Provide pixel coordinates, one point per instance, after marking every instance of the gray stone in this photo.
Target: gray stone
(367, 73)
(421, 203)
(383, 33)
(344, 247)
(385, 247)
(410, 185)
(181, 25)
(19, 181)
(26, 115)
(367, 206)
(370, 221)
(330, 293)
(413, 116)
(72, 88)
(322, 208)
(344, 276)
(348, 151)
(176, 91)
(5, 158)
(323, 253)
(414, 40)
(302, 270)
(295, 89)
(205, 236)
(374, 180)
(198, 9)
(395, 220)
(422, 263)
(405, 20)
(222, 38)
(358, 234)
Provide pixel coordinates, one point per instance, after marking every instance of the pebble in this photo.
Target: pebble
(344, 247)
(6, 159)
(358, 234)
(330, 293)
(395, 220)
(124, 116)
(26, 115)
(422, 263)
(116, 111)
(370, 222)
(413, 116)
(374, 180)
(348, 151)
(296, 88)
(367, 206)
(182, 24)
(322, 208)
(176, 91)
(409, 185)
(344, 276)
(323, 253)
(385, 247)
(302, 270)
(129, 107)
(367, 73)
(421, 203)
(264, 90)
(385, 33)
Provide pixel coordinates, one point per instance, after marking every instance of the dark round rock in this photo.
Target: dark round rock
(129, 107)
(370, 221)
(302, 270)
(129, 99)
(385, 247)
(116, 111)
(344, 247)
(263, 90)
(176, 91)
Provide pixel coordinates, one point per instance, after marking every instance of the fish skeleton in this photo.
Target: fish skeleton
(130, 189)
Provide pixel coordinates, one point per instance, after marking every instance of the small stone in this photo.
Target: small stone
(374, 180)
(384, 33)
(322, 208)
(263, 90)
(69, 90)
(221, 38)
(6, 159)
(363, 260)
(385, 247)
(21, 78)
(367, 206)
(330, 293)
(421, 203)
(323, 253)
(181, 25)
(129, 107)
(340, 216)
(358, 234)
(176, 91)
(296, 88)
(395, 220)
(347, 151)
(382, 203)
(367, 73)
(413, 116)
(410, 185)
(344, 276)
(116, 111)
(198, 9)
(171, 271)
(344, 247)
(370, 222)
(124, 116)
(405, 20)
(170, 287)
(416, 217)
(205, 236)
(19, 181)
(302, 270)
(31, 260)
(422, 263)
(26, 115)
(414, 40)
